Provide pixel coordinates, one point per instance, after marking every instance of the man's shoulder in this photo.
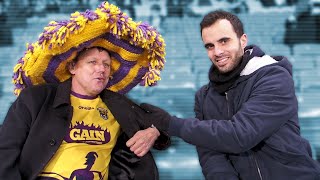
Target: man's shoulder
(108, 94)
(38, 91)
(115, 97)
(203, 90)
(40, 88)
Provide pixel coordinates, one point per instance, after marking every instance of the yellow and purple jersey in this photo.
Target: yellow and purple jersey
(86, 149)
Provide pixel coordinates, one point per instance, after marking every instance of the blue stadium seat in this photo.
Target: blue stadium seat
(303, 63)
(177, 100)
(306, 49)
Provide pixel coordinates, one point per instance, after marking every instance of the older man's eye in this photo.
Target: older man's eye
(106, 65)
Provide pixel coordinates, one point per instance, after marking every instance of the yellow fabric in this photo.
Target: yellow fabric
(58, 38)
(86, 147)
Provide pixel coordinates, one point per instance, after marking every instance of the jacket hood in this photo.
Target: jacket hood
(256, 63)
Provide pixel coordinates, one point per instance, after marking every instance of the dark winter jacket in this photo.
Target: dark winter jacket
(38, 120)
(251, 131)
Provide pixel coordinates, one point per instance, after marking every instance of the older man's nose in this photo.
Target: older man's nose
(101, 67)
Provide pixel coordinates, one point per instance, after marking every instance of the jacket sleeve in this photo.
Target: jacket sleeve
(13, 134)
(143, 119)
(271, 104)
(214, 165)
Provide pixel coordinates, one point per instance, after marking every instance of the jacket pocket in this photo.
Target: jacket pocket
(287, 158)
(248, 165)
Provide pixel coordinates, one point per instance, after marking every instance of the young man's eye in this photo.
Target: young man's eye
(209, 46)
(224, 41)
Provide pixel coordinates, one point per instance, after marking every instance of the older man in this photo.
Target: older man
(74, 122)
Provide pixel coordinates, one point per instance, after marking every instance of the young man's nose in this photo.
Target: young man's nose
(218, 51)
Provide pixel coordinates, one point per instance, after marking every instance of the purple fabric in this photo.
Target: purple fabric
(83, 96)
(90, 15)
(30, 47)
(55, 61)
(121, 72)
(26, 80)
(136, 81)
(122, 43)
(46, 35)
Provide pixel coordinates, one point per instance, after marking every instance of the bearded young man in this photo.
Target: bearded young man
(246, 124)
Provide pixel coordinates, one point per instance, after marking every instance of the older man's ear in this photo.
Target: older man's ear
(70, 67)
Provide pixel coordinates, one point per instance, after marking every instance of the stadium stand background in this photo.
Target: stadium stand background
(279, 27)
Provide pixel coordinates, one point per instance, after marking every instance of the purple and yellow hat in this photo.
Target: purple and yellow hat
(137, 49)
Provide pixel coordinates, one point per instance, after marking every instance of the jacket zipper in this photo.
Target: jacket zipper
(227, 103)
(255, 159)
(257, 166)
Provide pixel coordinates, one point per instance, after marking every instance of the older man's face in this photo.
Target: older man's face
(91, 73)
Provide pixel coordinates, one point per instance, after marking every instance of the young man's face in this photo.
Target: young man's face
(224, 48)
(91, 73)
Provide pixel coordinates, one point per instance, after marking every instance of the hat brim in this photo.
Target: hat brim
(137, 50)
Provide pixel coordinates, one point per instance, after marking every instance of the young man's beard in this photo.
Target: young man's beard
(236, 61)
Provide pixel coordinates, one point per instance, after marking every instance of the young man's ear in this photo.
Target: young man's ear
(243, 40)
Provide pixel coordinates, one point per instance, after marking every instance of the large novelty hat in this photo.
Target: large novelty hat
(137, 50)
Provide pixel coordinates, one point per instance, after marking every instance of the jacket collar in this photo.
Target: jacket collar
(122, 109)
(256, 63)
(63, 94)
